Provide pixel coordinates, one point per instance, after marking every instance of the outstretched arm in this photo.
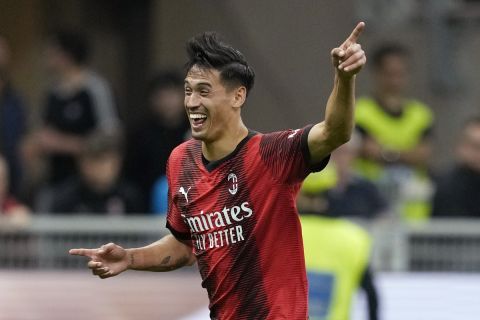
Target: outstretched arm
(110, 260)
(348, 59)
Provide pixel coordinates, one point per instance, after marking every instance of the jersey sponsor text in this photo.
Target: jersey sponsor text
(208, 229)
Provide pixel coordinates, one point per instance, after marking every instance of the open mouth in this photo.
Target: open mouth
(197, 119)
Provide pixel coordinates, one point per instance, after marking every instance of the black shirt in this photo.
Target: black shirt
(458, 194)
(148, 149)
(74, 196)
(79, 113)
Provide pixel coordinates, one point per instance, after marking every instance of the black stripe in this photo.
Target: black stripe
(178, 235)
(253, 300)
(211, 165)
(313, 167)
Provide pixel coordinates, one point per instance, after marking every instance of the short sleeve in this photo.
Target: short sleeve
(103, 103)
(175, 222)
(287, 155)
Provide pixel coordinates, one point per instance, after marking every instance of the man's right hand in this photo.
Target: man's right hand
(106, 261)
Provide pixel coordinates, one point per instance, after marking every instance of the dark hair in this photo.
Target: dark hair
(73, 43)
(388, 49)
(207, 51)
(169, 79)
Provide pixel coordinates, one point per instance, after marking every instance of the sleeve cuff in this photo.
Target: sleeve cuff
(182, 236)
(313, 167)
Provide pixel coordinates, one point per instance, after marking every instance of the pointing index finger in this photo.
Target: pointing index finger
(353, 37)
(82, 252)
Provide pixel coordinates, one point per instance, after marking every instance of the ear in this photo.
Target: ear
(239, 97)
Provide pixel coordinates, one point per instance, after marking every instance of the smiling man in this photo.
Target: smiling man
(232, 190)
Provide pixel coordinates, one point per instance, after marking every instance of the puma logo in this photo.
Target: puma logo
(185, 193)
(291, 135)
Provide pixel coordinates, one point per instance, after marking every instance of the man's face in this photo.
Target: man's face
(209, 104)
(100, 172)
(469, 149)
(392, 74)
(55, 59)
(167, 104)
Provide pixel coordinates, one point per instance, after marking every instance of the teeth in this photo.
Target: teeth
(196, 116)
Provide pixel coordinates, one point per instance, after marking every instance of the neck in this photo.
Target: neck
(220, 148)
(391, 101)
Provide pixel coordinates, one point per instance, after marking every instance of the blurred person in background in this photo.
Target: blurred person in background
(458, 190)
(337, 254)
(12, 120)
(339, 191)
(232, 190)
(99, 188)
(78, 103)
(12, 212)
(163, 128)
(396, 132)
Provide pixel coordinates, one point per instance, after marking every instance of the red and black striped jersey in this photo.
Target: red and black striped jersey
(240, 215)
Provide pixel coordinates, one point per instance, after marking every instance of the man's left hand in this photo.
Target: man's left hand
(349, 58)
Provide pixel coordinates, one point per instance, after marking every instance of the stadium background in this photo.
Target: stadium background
(288, 43)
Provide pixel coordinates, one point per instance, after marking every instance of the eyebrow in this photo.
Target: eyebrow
(198, 84)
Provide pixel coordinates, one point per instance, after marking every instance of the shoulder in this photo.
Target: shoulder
(280, 133)
(364, 107)
(67, 188)
(185, 149)
(94, 79)
(365, 101)
(420, 109)
(284, 136)
(96, 84)
(64, 196)
(418, 104)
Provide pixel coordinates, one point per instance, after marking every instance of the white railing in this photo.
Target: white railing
(440, 245)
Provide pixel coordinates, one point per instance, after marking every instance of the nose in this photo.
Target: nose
(192, 101)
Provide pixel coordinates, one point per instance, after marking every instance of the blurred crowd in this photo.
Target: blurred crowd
(82, 158)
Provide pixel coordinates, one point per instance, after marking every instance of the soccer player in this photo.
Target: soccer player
(232, 190)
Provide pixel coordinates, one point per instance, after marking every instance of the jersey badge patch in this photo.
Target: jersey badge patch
(233, 188)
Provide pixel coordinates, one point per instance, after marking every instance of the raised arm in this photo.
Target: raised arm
(163, 255)
(348, 59)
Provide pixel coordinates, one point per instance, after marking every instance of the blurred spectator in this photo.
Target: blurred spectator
(337, 252)
(160, 196)
(458, 190)
(338, 191)
(12, 121)
(336, 257)
(163, 128)
(79, 103)
(12, 212)
(99, 189)
(397, 131)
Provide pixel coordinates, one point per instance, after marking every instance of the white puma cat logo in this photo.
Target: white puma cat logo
(185, 193)
(291, 135)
